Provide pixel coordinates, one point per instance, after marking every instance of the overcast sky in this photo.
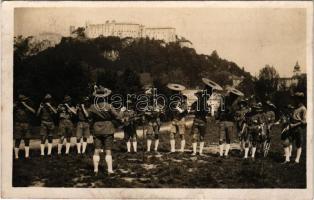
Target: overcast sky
(251, 37)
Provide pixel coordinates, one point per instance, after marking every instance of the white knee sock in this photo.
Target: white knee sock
(194, 145)
(78, 146)
(135, 146)
(67, 148)
(227, 149)
(59, 148)
(84, 147)
(26, 151)
(156, 144)
(149, 143)
(287, 154)
(297, 158)
(253, 152)
(49, 148)
(128, 145)
(42, 149)
(246, 152)
(96, 159)
(221, 149)
(182, 145)
(201, 147)
(109, 163)
(172, 145)
(290, 150)
(16, 152)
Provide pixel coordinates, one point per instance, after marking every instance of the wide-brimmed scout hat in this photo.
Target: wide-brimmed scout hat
(101, 92)
(175, 87)
(67, 98)
(212, 84)
(22, 97)
(48, 96)
(234, 91)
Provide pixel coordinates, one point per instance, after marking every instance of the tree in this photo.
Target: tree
(247, 86)
(267, 82)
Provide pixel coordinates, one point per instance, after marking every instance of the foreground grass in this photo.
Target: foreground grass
(164, 170)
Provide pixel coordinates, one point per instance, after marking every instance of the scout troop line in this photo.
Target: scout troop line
(253, 123)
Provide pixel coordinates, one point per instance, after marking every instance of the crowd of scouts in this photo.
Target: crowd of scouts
(253, 123)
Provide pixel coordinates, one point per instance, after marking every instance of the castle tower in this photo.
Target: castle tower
(296, 70)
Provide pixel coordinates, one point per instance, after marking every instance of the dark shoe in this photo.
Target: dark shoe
(285, 162)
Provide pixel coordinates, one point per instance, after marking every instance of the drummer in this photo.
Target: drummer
(178, 111)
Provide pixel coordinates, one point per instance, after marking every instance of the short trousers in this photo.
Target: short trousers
(47, 128)
(226, 131)
(153, 128)
(103, 141)
(21, 131)
(198, 129)
(82, 130)
(65, 128)
(297, 135)
(129, 131)
(178, 126)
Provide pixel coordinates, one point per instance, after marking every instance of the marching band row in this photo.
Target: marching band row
(252, 123)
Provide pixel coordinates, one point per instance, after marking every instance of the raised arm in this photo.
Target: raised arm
(39, 109)
(28, 107)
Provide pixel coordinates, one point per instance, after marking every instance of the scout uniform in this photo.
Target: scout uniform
(286, 133)
(82, 127)
(298, 128)
(129, 128)
(178, 111)
(22, 113)
(226, 121)
(46, 112)
(153, 127)
(102, 115)
(200, 108)
(254, 128)
(65, 124)
(241, 122)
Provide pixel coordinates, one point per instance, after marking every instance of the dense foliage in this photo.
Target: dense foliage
(125, 65)
(74, 63)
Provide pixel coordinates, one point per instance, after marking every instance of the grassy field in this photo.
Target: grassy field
(179, 170)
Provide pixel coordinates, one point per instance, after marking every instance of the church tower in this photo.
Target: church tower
(296, 70)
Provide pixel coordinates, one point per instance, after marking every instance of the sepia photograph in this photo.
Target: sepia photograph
(163, 96)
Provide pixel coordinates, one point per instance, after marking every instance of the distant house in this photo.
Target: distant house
(184, 42)
(285, 83)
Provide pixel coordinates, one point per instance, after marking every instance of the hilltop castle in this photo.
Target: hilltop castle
(133, 30)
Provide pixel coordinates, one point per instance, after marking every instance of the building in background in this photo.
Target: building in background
(167, 34)
(285, 83)
(124, 30)
(184, 42)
